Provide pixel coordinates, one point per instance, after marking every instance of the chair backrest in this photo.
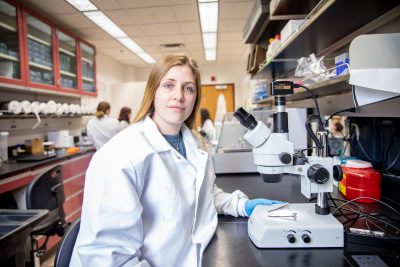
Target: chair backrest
(64, 250)
(47, 192)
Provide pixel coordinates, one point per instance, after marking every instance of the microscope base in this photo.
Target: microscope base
(294, 226)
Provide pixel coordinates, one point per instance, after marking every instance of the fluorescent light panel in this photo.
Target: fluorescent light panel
(130, 44)
(105, 23)
(208, 16)
(211, 54)
(146, 57)
(210, 40)
(82, 5)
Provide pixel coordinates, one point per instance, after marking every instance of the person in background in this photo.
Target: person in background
(124, 118)
(103, 127)
(150, 197)
(207, 125)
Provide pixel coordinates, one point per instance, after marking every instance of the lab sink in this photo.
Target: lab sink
(15, 227)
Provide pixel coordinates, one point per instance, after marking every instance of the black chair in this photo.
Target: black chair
(65, 248)
(47, 192)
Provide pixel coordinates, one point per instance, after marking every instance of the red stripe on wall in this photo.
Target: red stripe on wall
(74, 185)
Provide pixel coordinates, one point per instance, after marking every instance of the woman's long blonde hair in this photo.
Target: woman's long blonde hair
(156, 75)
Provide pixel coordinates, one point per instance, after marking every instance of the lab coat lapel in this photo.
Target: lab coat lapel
(197, 157)
(154, 136)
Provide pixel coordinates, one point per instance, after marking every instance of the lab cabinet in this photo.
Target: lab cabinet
(10, 48)
(37, 54)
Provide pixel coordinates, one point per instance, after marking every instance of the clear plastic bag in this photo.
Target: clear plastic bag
(310, 67)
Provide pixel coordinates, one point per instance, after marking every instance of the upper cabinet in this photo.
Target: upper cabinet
(40, 52)
(10, 48)
(68, 64)
(35, 53)
(88, 53)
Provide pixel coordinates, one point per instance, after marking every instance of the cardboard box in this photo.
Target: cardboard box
(34, 146)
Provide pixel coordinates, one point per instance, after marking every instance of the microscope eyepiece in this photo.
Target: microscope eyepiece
(245, 118)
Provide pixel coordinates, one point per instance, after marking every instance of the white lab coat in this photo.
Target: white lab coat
(123, 124)
(146, 205)
(101, 130)
(208, 128)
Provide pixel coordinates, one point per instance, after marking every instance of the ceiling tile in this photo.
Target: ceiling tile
(231, 25)
(190, 27)
(132, 30)
(106, 4)
(52, 7)
(186, 12)
(75, 21)
(143, 3)
(179, 2)
(193, 46)
(167, 39)
(120, 17)
(106, 43)
(192, 38)
(230, 36)
(228, 45)
(143, 41)
(152, 15)
(160, 29)
(235, 10)
(93, 33)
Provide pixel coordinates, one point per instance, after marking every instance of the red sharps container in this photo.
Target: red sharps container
(360, 179)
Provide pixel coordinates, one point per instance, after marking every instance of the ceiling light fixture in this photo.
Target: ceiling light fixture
(146, 57)
(208, 12)
(130, 44)
(105, 23)
(82, 5)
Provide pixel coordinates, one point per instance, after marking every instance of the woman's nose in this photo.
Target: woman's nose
(178, 93)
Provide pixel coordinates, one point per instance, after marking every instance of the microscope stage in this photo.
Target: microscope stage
(294, 226)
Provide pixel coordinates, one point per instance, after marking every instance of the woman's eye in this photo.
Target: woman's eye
(189, 89)
(168, 85)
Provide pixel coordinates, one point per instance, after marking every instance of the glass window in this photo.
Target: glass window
(67, 54)
(87, 59)
(40, 51)
(9, 43)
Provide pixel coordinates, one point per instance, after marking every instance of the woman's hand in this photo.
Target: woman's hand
(252, 203)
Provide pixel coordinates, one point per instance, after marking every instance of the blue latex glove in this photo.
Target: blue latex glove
(252, 203)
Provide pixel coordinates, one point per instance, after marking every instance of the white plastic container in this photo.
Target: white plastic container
(4, 145)
(60, 138)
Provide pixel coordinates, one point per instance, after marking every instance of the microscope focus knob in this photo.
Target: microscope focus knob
(306, 238)
(285, 158)
(291, 238)
(318, 174)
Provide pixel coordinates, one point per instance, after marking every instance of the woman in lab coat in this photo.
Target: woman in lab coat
(207, 125)
(124, 118)
(150, 197)
(102, 128)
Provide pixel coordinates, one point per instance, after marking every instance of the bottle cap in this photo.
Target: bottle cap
(360, 164)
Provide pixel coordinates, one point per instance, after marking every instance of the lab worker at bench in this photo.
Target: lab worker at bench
(103, 127)
(150, 197)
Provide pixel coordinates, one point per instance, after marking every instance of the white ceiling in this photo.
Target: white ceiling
(151, 23)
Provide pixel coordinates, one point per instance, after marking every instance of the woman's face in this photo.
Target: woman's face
(174, 99)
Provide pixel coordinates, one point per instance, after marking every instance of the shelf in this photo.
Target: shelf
(40, 66)
(9, 57)
(268, 100)
(87, 60)
(322, 30)
(67, 52)
(333, 86)
(87, 79)
(42, 116)
(322, 35)
(8, 27)
(39, 40)
(66, 73)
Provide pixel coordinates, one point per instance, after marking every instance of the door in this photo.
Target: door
(209, 99)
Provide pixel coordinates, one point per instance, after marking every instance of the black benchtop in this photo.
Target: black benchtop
(12, 167)
(231, 245)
